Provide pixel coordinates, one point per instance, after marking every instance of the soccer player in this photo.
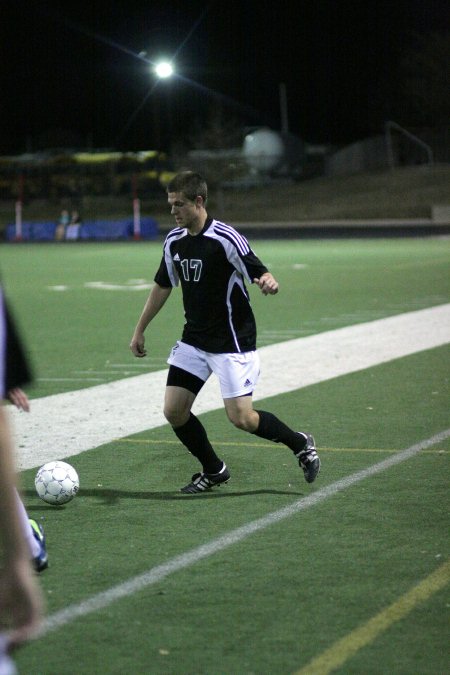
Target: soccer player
(212, 261)
(21, 601)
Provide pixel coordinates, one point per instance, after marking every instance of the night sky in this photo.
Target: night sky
(82, 75)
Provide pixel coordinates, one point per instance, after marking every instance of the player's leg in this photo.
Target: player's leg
(236, 372)
(241, 413)
(266, 425)
(188, 372)
(191, 432)
(187, 427)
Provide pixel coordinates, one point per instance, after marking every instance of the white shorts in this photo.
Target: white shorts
(238, 373)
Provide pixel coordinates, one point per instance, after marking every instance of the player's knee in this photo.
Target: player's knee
(242, 420)
(175, 416)
(241, 424)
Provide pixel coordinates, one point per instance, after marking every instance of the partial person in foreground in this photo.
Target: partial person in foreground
(21, 600)
(212, 261)
(33, 531)
(15, 372)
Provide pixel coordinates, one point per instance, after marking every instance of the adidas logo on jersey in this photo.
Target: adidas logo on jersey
(176, 257)
(247, 383)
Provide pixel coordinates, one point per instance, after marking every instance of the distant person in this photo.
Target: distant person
(212, 261)
(21, 600)
(63, 222)
(73, 228)
(75, 218)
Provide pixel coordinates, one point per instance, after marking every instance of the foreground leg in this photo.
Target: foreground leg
(34, 535)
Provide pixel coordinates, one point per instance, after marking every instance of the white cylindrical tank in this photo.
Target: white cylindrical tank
(268, 151)
(263, 149)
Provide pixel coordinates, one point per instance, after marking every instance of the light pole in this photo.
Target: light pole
(164, 70)
(284, 109)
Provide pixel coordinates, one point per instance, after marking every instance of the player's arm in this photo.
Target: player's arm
(255, 271)
(155, 301)
(249, 265)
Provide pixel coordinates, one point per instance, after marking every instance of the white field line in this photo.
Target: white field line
(67, 424)
(180, 562)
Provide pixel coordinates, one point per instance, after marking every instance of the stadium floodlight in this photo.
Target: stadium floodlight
(164, 69)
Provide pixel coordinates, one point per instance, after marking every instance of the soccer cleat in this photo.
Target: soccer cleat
(40, 562)
(205, 481)
(308, 459)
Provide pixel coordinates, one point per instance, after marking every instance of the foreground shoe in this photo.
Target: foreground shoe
(308, 459)
(205, 481)
(41, 561)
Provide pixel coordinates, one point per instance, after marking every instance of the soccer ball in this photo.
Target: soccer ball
(57, 482)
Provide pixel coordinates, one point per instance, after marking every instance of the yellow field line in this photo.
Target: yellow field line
(150, 441)
(347, 647)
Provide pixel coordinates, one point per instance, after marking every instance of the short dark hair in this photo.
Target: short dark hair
(190, 183)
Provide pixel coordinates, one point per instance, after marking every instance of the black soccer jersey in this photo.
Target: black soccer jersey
(212, 267)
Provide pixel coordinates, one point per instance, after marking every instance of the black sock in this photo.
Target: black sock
(273, 429)
(193, 436)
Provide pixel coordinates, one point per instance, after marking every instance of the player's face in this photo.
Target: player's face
(187, 213)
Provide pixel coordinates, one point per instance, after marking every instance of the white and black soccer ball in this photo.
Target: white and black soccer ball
(57, 482)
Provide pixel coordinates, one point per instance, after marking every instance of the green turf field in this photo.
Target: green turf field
(353, 580)
(77, 306)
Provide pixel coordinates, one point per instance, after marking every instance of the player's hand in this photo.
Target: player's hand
(19, 399)
(267, 283)
(137, 346)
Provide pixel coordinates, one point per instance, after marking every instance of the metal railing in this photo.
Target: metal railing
(389, 127)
